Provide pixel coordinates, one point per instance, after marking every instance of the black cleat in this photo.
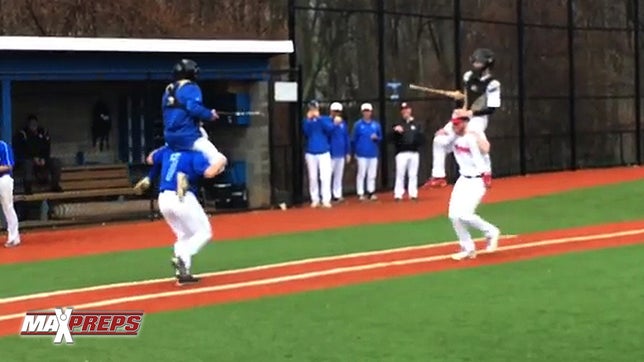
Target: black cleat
(187, 279)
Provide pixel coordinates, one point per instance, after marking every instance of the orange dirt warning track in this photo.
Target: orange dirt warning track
(159, 295)
(42, 245)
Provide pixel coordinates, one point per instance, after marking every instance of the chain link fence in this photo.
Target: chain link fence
(570, 72)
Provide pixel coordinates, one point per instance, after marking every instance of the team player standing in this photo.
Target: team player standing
(330, 146)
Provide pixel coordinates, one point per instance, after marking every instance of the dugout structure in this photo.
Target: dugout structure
(62, 79)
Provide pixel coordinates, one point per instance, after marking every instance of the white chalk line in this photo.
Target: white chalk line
(234, 271)
(311, 275)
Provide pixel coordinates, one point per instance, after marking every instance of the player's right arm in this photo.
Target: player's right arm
(194, 102)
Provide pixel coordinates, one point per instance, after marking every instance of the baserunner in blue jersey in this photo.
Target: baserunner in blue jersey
(185, 216)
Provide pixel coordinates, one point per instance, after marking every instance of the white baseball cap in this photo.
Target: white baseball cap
(336, 106)
(366, 107)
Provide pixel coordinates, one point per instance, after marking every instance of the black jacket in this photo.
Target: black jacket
(411, 139)
(30, 145)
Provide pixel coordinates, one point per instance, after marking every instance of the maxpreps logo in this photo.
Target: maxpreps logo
(64, 323)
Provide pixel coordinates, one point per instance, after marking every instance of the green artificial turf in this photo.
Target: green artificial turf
(575, 307)
(578, 208)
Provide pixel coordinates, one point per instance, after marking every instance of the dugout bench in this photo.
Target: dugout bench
(80, 183)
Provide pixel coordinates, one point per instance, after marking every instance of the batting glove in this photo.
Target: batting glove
(487, 179)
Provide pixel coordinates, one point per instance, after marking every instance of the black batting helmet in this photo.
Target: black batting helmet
(313, 104)
(185, 69)
(484, 56)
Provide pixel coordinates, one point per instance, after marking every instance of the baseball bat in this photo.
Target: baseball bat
(443, 92)
(247, 113)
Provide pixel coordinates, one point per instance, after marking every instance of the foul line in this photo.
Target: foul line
(311, 275)
(235, 271)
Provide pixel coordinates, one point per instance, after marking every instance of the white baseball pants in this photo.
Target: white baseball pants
(206, 147)
(319, 167)
(337, 174)
(367, 169)
(443, 145)
(466, 197)
(6, 198)
(188, 221)
(406, 165)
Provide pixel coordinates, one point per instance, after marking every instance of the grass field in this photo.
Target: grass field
(583, 306)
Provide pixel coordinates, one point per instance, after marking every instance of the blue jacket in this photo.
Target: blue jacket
(317, 132)
(6, 158)
(340, 143)
(181, 121)
(363, 145)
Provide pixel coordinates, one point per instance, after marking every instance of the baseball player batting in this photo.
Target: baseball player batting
(318, 131)
(469, 190)
(185, 216)
(6, 194)
(482, 97)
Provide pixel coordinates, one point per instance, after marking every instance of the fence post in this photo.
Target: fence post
(292, 60)
(382, 107)
(296, 139)
(271, 144)
(458, 74)
(521, 78)
(638, 90)
(571, 85)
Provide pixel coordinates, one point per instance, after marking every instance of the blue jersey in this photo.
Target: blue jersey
(340, 144)
(6, 158)
(363, 144)
(191, 163)
(182, 107)
(317, 132)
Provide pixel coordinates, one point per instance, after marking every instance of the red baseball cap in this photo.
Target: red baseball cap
(459, 120)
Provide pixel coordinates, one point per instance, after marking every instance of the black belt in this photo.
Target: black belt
(477, 176)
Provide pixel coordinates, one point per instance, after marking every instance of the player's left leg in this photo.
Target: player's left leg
(412, 175)
(337, 175)
(402, 160)
(6, 198)
(458, 204)
(171, 209)
(325, 178)
(475, 191)
(372, 172)
(199, 234)
(208, 149)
